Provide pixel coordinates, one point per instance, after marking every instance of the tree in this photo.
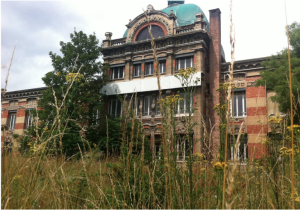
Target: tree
(276, 75)
(83, 98)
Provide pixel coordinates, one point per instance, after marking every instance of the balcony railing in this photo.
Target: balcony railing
(117, 42)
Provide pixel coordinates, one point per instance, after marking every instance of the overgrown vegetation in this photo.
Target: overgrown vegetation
(136, 177)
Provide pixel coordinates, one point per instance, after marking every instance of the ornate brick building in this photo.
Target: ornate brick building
(184, 37)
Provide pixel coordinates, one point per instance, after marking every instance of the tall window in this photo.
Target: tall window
(184, 62)
(117, 73)
(12, 120)
(115, 108)
(182, 147)
(158, 105)
(242, 152)
(147, 105)
(185, 104)
(137, 70)
(162, 66)
(136, 107)
(149, 68)
(96, 116)
(158, 147)
(29, 119)
(239, 105)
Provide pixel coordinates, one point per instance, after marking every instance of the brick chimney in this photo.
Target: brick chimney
(214, 76)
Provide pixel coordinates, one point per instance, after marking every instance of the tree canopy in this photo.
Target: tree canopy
(79, 61)
(276, 75)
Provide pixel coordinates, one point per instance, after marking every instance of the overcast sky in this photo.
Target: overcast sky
(39, 26)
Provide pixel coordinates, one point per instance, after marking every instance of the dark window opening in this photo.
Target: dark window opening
(155, 30)
(162, 67)
(242, 152)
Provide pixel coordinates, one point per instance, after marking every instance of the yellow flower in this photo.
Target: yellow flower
(17, 177)
(202, 169)
(58, 73)
(218, 166)
(74, 76)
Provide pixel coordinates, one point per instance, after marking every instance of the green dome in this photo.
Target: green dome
(185, 13)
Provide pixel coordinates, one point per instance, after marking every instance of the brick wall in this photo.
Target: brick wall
(214, 75)
(256, 119)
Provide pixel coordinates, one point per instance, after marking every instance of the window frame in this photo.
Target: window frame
(162, 68)
(147, 64)
(243, 145)
(29, 119)
(115, 112)
(185, 151)
(118, 69)
(12, 118)
(148, 112)
(237, 101)
(178, 62)
(139, 70)
(137, 109)
(184, 110)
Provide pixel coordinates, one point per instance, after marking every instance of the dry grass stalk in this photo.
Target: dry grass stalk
(292, 113)
(230, 180)
(11, 61)
(230, 82)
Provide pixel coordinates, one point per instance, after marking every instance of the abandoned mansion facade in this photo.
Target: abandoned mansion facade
(184, 37)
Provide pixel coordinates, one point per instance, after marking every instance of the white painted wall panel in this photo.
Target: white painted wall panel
(146, 84)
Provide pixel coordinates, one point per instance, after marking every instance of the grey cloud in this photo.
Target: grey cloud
(38, 27)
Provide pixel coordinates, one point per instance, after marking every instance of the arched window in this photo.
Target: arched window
(155, 30)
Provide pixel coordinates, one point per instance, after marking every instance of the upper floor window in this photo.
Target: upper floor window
(239, 105)
(184, 62)
(149, 68)
(12, 119)
(137, 70)
(162, 67)
(117, 73)
(115, 108)
(155, 30)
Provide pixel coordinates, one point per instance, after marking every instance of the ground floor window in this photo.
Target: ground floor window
(115, 108)
(182, 147)
(158, 147)
(186, 104)
(242, 152)
(29, 118)
(12, 119)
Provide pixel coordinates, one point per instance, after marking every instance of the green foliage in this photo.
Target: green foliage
(276, 75)
(82, 99)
